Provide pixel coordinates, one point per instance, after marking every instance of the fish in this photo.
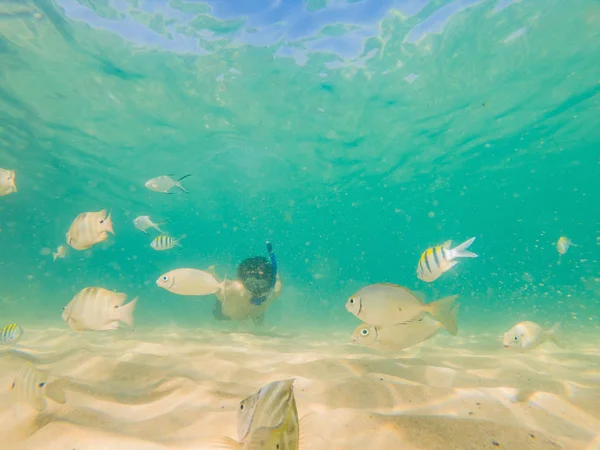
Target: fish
(8, 180)
(190, 282)
(165, 183)
(267, 419)
(11, 334)
(385, 304)
(563, 244)
(88, 229)
(285, 436)
(439, 259)
(266, 407)
(31, 386)
(399, 336)
(96, 308)
(163, 242)
(527, 335)
(142, 223)
(61, 252)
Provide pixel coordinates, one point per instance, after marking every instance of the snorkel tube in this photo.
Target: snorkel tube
(260, 300)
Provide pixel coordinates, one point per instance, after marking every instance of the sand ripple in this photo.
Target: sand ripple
(177, 389)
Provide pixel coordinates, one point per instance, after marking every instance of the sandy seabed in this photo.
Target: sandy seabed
(179, 389)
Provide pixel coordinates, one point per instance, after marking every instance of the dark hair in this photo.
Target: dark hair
(256, 275)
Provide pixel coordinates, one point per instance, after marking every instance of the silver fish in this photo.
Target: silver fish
(165, 183)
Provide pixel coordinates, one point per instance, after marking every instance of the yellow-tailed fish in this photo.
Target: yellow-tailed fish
(96, 308)
(31, 386)
(165, 183)
(386, 304)
(436, 260)
(11, 334)
(163, 242)
(563, 244)
(256, 436)
(142, 223)
(7, 182)
(266, 407)
(399, 336)
(526, 336)
(89, 229)
(189, 282)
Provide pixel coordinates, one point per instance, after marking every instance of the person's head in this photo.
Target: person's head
(257, 276)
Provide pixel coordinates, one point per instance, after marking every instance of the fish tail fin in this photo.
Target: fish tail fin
(54, 256)
(461, 251)
(555, 335)
(444, 312)
(180, 186)
(108, 223)
(126, 312)
(225, 443)
(178, 241)
(56, 390)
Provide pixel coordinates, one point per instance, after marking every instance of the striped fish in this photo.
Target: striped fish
(265, 408)
(163, 242)
(563, 244)
(10, 334)
(88, 229)
(30, 386)
(436, 260)
(7, 182)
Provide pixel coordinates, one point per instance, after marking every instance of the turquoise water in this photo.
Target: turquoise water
(352, 135)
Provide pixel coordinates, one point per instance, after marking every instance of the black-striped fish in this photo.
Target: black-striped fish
(563, 244)
(436, 260)
(10, 334)
(31, 386)
(163, 242)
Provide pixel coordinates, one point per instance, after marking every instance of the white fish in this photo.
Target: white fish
(399, 336)
(189, 282)
(30, 386)
(436, 260)
(61, 252)
(142, 223)
(88, 229)
(163, 242)
(165, 183)
(529, 335)
(8, 180)
(95, 308)
(386, 304)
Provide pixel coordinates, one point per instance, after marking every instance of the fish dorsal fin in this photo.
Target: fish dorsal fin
(420, 296)
(447, 245)
(391, 285)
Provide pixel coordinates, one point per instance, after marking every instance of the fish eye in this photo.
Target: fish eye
(364, 332)
(241, 406)
(42, 384)
(351, 300)
(165, 278)
(515, 339)
(102, 221)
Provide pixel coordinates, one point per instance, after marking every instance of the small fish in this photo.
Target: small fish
(30, 386)
(142, 223)
(399, 336)
(96, 308)
(563, 244)
(385, 304)
(529, 335)
(88, 229)
(165, 183)
(163, 242)
(436, 260)
(61, 252)
(11, 334)
(7, 182)
(189, 282)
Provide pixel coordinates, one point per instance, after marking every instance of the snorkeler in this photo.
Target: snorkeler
(251, 295)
